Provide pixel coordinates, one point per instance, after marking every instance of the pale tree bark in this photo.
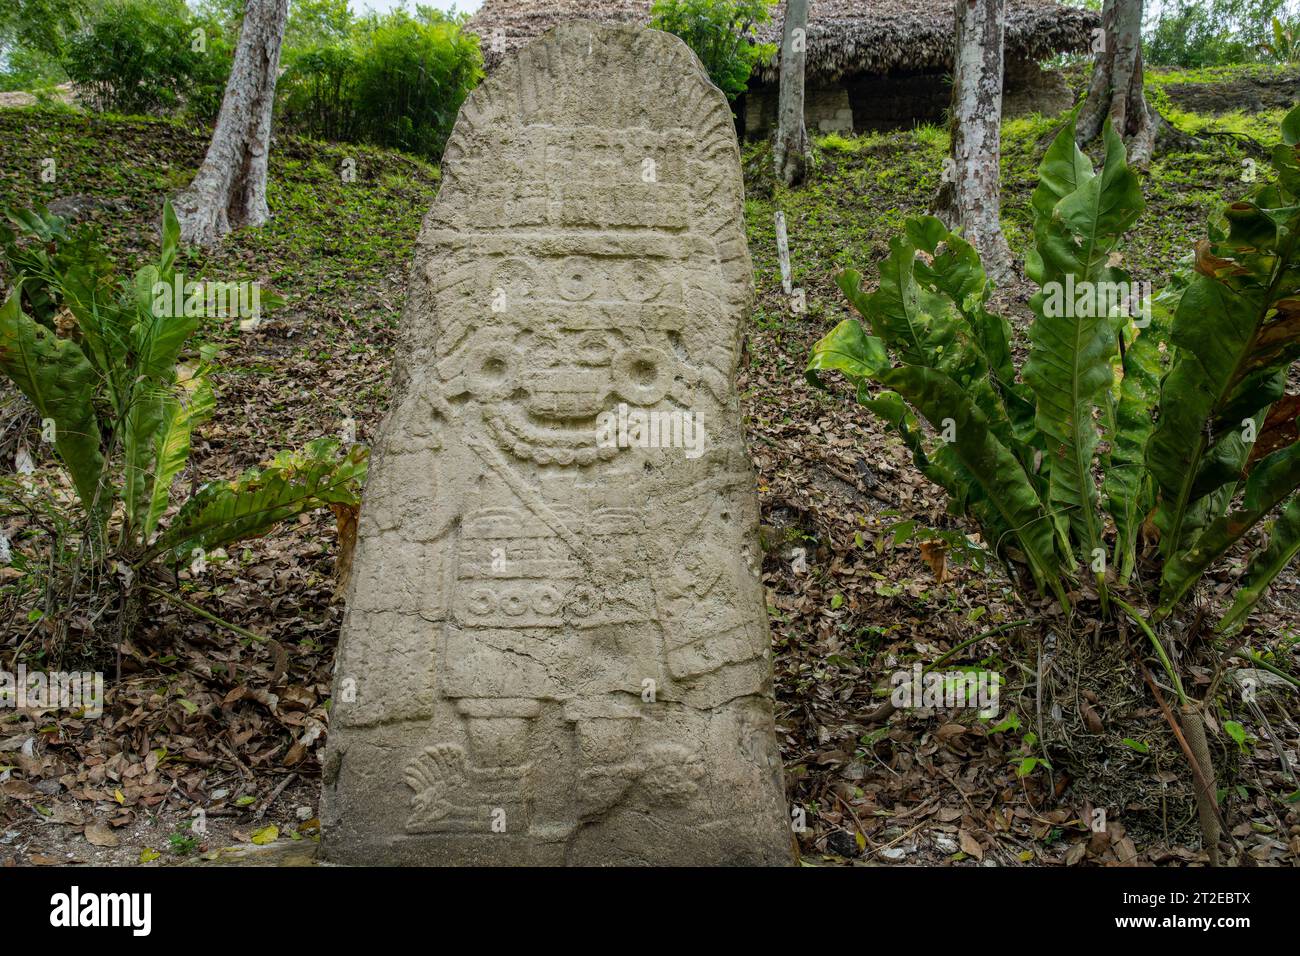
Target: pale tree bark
(790, 152)
(1116, 88)
(969, 197)
(229, 191)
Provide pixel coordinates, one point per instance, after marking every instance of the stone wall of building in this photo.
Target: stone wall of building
(826, 110)
(868, 102)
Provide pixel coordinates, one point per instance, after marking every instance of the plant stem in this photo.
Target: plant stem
(1165, 662)
(952, 652)
(207, 615)
(1258, 661)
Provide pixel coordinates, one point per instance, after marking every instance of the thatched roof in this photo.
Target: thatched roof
(844, 36)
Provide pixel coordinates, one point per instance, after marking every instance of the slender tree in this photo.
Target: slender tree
(790, 153)
(1116, 88)
(229, 191)
(970, 195)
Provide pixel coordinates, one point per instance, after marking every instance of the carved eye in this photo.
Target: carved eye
(491, 370)
(481, 601)
(642, 375)
(643, 372)
(515, 277)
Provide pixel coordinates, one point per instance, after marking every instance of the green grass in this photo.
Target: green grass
(864, 187)
(338, 251)
(1156, 77)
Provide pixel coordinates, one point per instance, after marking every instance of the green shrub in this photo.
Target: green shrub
(1283, 46)
(25, 68)
(721, 32)
(318, 92)
(149, 56)
(1193, 33)
(106, 365)
(835, 143)
(1143, 440)
(36, 30)
(1185, 420)
(398, 81)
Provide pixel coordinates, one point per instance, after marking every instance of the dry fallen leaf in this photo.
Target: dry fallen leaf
(935, 554)
(101, 834)
(1126, 851)
(950, 730)
(969, 845)
(346, 516)
(1090, 718)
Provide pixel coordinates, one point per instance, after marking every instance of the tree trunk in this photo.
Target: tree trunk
(1116, 89)
(790, 153)
(229, 191)
(970, 194)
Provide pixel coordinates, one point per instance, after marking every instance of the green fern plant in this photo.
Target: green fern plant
(1144, 437)
(1132, 413)
(107, 376)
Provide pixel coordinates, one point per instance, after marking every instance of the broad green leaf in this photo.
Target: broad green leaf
(224, 512)
(931, 313)
(1237, 732)
(1265, 566)
(1285, 158)
(171, 241)
(847, 349)
(158, 336)
(937, 462)
(1236, 331)
(1072, 336)
(919, 322)
(183, 412)
(1005, 485)
(60, 383)
(1124, 480)
(953, 267)
(1271, 482)
(1063, 170)
(1291, 127)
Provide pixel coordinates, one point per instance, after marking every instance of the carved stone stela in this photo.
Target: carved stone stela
(556, 648)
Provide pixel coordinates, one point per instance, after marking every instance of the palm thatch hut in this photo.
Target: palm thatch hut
(872, 64)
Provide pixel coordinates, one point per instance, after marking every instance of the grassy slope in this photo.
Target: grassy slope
(830, 482)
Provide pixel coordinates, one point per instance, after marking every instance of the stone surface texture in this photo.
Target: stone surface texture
(556, 649)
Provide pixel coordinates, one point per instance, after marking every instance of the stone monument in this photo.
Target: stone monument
(556, 648)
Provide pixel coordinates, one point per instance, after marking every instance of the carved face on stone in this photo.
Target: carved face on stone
(570, 338)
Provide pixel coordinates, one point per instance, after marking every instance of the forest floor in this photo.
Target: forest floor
(198, 718)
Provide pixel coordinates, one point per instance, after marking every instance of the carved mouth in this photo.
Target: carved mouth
(530, 436)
